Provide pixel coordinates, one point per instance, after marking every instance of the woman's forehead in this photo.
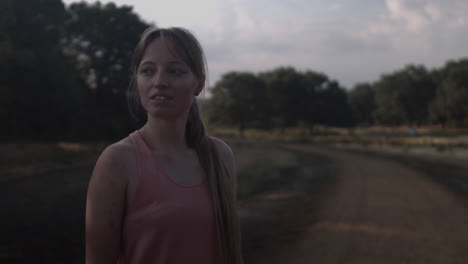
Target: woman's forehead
(162, 49)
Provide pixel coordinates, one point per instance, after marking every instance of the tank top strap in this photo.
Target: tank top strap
(148, 177)
(139, 144)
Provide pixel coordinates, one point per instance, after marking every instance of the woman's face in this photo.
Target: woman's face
(166, 84)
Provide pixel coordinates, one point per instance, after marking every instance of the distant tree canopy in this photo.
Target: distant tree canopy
(403, 97)
(279, 98)
(450, 104)
(361, 99)
(284, 97)
(64, 72)
(236, 100)
(415, 96)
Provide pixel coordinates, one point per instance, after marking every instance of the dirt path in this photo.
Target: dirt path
(380, 211)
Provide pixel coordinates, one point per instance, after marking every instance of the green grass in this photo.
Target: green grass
(19, 160)
(391, 136)
(275, 184)
(266, 167)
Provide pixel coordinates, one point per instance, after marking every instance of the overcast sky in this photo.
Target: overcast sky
(349, 40)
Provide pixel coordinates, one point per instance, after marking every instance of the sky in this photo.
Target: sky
(351, 41)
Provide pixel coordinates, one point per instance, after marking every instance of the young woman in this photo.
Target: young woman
(167, 193)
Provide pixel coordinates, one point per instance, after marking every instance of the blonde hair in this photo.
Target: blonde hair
(187, 47)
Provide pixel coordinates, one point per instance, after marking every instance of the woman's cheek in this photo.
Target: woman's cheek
(142, 93)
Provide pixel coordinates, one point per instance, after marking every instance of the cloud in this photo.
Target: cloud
(420, 28)
(336, 6)
(349, 42)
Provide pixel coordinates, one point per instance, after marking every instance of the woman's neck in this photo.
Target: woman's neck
(164, 135)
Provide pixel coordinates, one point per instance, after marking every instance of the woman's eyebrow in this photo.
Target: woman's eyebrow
(147, 62)
(169, 62)
(176, 62)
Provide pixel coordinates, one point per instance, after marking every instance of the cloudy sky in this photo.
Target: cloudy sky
(349, 40)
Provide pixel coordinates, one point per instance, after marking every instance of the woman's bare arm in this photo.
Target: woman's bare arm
(105, 204)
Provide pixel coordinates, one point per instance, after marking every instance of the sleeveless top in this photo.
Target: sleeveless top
(166, 222)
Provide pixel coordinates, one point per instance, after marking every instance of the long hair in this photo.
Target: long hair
(218, 176)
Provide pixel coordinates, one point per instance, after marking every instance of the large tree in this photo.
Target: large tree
(284, 96)
(450, 106)
(403, 97)
(333, 105)
(312, 85)
(237, 99)
(361, 99)
(101, 39)
(38, 87)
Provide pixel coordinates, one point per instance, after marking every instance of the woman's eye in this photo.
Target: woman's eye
(177, 72)
(147, 71)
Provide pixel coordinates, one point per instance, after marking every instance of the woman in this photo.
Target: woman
(166, 193)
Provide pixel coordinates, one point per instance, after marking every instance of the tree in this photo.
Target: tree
(403, 97)
(284, 94)
(37, 83)
(236, 100)
(101, 39)
(333, 105)
(361, 99)
(450, 104)
(312, 83)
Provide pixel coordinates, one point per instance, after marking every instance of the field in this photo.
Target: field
(43, 190)
(292, 187)
(440, 138)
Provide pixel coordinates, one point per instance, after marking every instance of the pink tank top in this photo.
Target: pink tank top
(167, 222)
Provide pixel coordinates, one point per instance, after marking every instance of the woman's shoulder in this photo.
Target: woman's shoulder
(222, 147)
(119, 151)
(225, 153)
(116, 160)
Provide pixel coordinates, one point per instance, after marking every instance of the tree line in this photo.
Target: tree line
(285, 97)
(64, 74)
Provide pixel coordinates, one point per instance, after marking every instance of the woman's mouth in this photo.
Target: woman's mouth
(161, 97)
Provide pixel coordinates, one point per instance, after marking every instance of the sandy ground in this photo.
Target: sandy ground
(379, 211)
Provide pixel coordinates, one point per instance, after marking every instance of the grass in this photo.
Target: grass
(264, 168)
(274, 186)
(18, 160)
(392, 136)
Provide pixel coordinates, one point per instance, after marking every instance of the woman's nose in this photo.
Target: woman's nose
(161, 79)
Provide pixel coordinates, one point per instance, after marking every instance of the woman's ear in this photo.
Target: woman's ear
(200, 85)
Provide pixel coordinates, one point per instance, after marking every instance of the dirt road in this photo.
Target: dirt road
(379, 211)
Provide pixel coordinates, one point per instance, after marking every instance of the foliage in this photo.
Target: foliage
(38, 86)
(279, 98)
(64, 71)
(361, 99)
(283, 96)
(235, 100)
(450, 106)
(100, 39)
(403, 97)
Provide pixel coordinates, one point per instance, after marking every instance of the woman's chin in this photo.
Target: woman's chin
(165, 115)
